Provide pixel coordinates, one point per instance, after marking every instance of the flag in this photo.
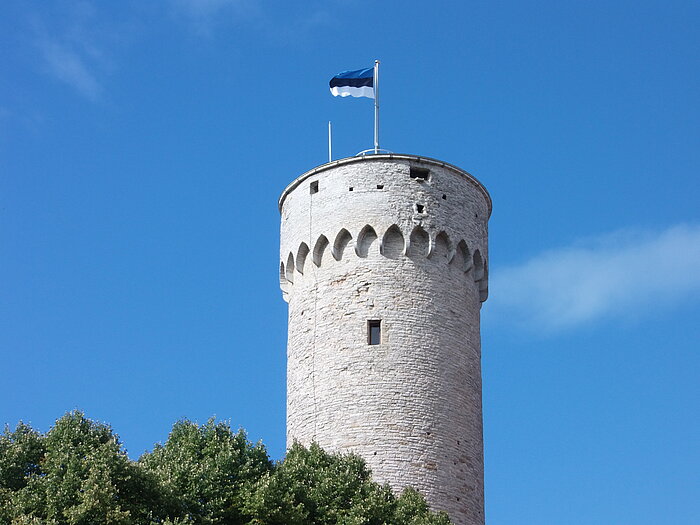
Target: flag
(358, 83)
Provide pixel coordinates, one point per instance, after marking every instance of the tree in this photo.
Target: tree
(77, 474)
(203, 471)
(21, 451)
(313, 486)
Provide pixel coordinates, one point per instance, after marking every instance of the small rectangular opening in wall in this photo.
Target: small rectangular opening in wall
(419, 173)
(350, 188)
(420, 208)
(313, 187)
(380, 186)
(444, 197)
(374, 332)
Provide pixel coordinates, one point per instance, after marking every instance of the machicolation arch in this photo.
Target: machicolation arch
(393, 246)
(365, 241)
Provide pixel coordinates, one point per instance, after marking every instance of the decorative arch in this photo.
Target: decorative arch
(484, 284)
(302, 253)
(289, 273)
(418, 242)
(392, 245)
(365, 238)
(341, 242)
(283, 276)
(461, 258)
(284, 283)
(319, 249)
(442, 247)
(478, 266)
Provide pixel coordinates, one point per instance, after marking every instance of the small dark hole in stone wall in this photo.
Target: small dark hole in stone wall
(375, 453)
(444, 197)
(457, 498)
(419, 173)
(313, 187)
(420, 208)
(380, 186)
(428, 433)
(350, 188)
(476, 215)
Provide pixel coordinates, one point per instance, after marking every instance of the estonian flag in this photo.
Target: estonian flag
(358, 83)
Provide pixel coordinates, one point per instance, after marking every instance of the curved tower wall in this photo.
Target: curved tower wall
(401, 240)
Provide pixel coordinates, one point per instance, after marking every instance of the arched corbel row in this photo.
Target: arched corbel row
(392, 245)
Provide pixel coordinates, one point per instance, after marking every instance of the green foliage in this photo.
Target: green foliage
(203, 471)
(78, 474)
(412, 509)
(313, 486)
(20, 454)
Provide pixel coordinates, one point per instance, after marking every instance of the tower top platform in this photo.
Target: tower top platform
(386, 157)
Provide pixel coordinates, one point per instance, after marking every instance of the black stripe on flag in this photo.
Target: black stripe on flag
(352, 82)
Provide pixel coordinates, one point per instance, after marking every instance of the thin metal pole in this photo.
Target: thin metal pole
(376, 107)
(330, 143)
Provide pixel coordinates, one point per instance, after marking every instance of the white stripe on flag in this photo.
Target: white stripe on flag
(349, 91)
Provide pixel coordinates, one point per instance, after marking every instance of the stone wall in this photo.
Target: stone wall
(401, 240)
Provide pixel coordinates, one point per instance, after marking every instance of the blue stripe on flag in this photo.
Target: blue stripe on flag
(360, 73)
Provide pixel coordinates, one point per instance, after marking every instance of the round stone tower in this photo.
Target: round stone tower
(384, 267)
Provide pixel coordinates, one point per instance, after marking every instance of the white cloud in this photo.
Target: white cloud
(67, 40)
(624, 274)
(69, 66)
(203, 14)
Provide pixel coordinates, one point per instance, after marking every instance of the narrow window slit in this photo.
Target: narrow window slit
(313, 187)
(374, 332)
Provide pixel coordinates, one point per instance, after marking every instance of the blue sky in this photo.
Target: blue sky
(143, 146)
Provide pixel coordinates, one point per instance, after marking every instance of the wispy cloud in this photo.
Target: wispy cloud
(204, 14)
(69, 65)
(623, 274)
(67, 41)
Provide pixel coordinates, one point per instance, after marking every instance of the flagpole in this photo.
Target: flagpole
(330, 142)
(376, 107)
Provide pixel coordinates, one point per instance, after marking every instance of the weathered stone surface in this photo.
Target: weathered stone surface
(362, 240)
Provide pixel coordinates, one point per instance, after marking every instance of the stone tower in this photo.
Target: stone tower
(384, 267)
